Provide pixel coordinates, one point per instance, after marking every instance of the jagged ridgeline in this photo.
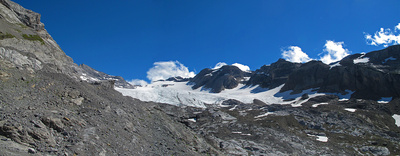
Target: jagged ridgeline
(51, 106)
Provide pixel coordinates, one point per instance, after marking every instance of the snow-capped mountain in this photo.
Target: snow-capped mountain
(375, 76)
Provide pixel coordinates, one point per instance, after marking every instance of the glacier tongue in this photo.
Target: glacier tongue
(181, 94)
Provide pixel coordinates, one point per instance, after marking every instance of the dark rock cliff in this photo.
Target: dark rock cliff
(273, 75)
(226, 77)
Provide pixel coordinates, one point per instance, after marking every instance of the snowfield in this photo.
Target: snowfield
(181, 94)
(396, 119)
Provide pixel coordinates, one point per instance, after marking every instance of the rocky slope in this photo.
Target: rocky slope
(46, 109)
(367, 76)
(51, 106)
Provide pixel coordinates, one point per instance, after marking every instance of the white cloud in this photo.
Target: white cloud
(138, 82)
(219, 65)
(295, 54)
(165, 70)
(384, 37)
(240, 66)
(333, 52)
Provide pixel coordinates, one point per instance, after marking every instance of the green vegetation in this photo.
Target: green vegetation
(22, 25)
(33, 38)
(7, 35)
(18, 30)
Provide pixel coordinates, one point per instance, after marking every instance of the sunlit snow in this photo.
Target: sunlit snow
(385, 100)
(335, 65)
(361, 60)
(319, 138)
(397, 119)
(316, 105)
(264, 115)
(350, 109)
(192, 120)
(181, 94)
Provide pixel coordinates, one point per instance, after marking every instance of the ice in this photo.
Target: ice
(182, 94)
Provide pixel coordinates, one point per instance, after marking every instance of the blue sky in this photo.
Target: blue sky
(127, 37)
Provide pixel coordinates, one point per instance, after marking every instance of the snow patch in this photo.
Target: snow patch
(88, 78)
(361, 60)
(396, 119)
(350, 109)
(319, 138)
(335, 65)
(233, 108)
(344, 99)
(263, 115)
(385, 100)
(316, 105)
(192, 120)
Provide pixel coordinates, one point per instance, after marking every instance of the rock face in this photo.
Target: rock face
(273, 75)
(370, 76)
(27, 17)
(226, 77)
(28, 40)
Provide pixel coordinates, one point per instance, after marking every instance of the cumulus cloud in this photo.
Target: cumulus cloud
(138, 82)
(384, 37)
(165, 70)
(295, 54)
(333, 52)
(240, 66)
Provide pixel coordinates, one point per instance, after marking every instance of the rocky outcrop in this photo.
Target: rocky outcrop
(91, 75)
(27, 17)
(274, 75)
(226, 77)
(28, 40)
(309, 75)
